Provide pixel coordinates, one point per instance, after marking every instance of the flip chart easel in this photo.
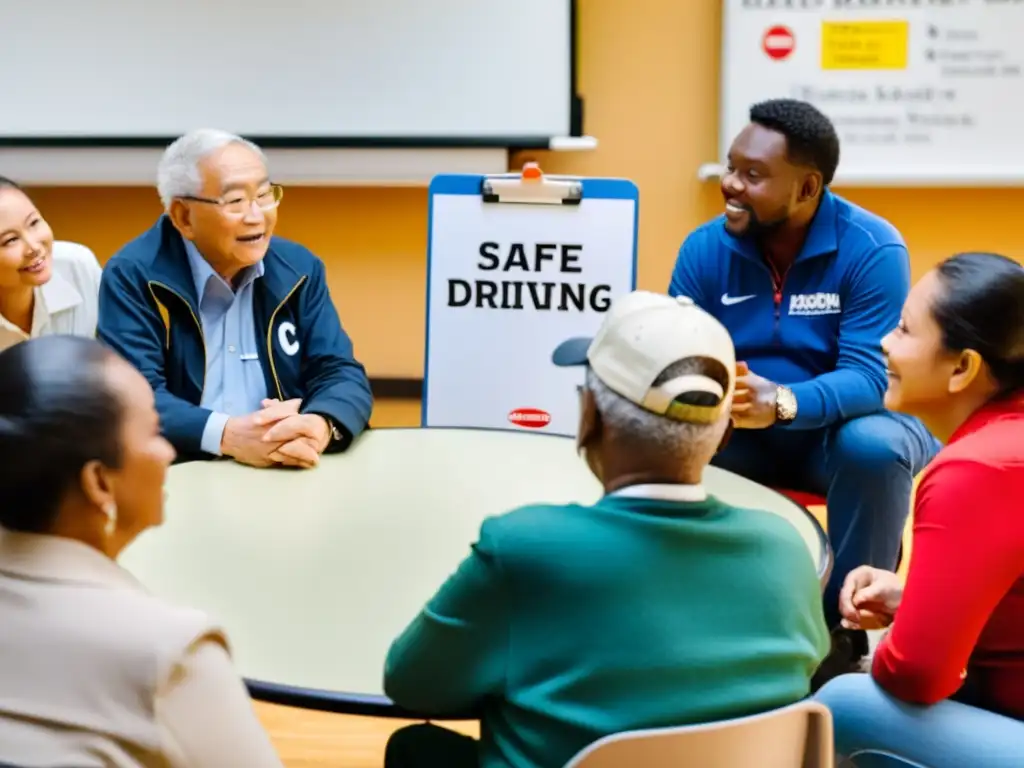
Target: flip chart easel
(517, 263)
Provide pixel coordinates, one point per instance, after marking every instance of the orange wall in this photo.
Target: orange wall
(649, 76)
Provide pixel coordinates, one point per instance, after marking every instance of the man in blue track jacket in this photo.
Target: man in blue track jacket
(234, 328)
(808, 283)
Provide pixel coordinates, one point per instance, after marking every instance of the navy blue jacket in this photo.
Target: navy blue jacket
(148, 313)
(821, 332)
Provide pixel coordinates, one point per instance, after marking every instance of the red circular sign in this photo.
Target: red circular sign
(532, 418)
(778, 42)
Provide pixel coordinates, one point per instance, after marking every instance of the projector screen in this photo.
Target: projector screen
(327, 72)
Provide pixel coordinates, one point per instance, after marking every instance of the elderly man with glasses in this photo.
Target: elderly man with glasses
(234, 328)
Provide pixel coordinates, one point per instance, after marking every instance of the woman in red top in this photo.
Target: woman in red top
(947, 681)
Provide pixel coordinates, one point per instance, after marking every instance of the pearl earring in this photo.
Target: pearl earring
(110, 510)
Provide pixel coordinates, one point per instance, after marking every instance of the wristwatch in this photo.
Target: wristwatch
(335, 432)
(785, 405)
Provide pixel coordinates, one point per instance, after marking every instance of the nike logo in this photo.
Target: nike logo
(728, 300)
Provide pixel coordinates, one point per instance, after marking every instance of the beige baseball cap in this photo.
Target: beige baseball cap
(642, 335)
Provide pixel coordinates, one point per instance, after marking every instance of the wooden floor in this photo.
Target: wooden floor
(316, 740)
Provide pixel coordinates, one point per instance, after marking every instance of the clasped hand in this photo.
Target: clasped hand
(277, 434)
(869, 598)
(754, 400)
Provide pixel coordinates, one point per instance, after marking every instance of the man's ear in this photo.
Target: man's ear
(181, 217)
(810, 188)
(968, 368)
(590, 421)
(729, 427)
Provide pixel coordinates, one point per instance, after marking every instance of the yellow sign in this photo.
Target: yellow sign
(864, 44)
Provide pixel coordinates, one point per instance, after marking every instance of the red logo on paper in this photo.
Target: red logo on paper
(533, 418)
(778, 42)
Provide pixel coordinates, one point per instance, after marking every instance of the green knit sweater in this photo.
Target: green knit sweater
(569, 623)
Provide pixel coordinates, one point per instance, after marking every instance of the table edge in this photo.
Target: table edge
(824, 569)
(340, 703)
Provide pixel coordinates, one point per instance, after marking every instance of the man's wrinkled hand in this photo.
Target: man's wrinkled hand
(754, 400)
(243, 435)
(299, 440)
(243, 441)
(273, 410)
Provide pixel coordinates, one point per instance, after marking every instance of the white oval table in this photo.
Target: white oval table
(313, 573)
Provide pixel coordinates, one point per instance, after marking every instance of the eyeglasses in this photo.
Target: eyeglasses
(237, 205)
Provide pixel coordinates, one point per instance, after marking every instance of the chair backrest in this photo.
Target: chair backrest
(797, 736)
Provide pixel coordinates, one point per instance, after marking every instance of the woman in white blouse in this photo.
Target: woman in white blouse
(94, 669)
(46, 287)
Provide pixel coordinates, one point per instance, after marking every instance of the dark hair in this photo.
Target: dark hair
(811, 139)
(981, 307)
(57, 413)
(6, 183)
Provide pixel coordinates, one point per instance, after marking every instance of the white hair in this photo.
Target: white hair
(685, 441)
(177, 174)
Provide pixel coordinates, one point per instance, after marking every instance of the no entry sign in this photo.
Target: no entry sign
(778, 42)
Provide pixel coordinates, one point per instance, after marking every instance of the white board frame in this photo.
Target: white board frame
(942, 174)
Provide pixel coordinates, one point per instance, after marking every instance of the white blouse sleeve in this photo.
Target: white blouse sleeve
(79, 265)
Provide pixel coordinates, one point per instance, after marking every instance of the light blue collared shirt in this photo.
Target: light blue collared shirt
(234, 376)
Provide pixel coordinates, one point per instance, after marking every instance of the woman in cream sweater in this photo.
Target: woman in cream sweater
(95, 671)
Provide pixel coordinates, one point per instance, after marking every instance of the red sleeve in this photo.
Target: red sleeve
(968, 540)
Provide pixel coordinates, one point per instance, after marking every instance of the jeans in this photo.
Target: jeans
(865, 468)
(876, 730)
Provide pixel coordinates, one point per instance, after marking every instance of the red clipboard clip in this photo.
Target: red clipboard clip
(532, 173)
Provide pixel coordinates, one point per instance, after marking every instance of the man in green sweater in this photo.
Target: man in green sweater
(657, 606)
